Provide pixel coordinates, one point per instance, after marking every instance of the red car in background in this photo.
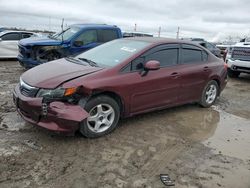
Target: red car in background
(122, 78)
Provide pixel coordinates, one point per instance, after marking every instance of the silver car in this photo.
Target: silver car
(9, 42)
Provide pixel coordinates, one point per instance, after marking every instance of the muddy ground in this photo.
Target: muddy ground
(196, 147)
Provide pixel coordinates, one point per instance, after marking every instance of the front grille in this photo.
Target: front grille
(241, 53)
(28, 90)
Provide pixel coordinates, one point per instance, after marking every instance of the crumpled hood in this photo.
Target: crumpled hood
(51, 75)
(41, 41)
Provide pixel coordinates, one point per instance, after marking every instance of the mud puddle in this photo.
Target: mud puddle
(219, 152)
(231, 137)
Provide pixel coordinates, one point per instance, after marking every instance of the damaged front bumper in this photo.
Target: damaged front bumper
(55, 116)
(27, 62)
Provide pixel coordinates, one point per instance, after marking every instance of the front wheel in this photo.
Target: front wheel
(104, 116)
(209, 94)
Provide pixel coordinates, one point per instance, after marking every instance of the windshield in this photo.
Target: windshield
(114, 52)
(66, 34)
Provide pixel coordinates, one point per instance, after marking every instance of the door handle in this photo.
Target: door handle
(206, 68)
(175, 75)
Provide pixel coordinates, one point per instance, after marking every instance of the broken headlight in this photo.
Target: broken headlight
(56, 93)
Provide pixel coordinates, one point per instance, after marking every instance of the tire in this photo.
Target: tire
(209, 94)
(104, 116)
(232, 74)
(53, 56)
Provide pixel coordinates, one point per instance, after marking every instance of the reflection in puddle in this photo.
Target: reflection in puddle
(197, 124)
(231, 136)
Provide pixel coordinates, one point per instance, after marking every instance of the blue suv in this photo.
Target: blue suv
(72, 41)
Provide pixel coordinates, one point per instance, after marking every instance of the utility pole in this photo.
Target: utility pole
(135, 28)
(62, 24)
(178, 33)
(159, 32)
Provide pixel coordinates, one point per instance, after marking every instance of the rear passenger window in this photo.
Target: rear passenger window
(191, 56)
(166, 57)
(26, 35)
(106, 35)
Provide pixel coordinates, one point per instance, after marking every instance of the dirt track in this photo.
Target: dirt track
(197, 147)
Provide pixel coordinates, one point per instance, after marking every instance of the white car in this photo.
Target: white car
(238, 59)
(9, 42)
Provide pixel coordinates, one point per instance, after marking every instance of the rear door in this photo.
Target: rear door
(195, 70)
(157, 88)
(8, 45)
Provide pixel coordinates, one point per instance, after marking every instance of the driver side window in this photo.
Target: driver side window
(167, 55)
(86, 37)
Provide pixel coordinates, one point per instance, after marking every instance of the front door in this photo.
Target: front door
(158, 88)
(9, 45)
(85, 41)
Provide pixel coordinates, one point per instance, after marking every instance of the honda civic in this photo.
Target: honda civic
(90, 92)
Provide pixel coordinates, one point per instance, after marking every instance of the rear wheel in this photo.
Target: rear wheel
(232, 74)
(104, 116)
(209, 94)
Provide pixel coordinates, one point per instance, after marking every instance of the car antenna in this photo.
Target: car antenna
(62, 28)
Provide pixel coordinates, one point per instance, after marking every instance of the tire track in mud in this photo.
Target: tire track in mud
(156, 165)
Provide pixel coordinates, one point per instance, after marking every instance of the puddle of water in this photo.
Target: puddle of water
(194, 123)
(231, 137)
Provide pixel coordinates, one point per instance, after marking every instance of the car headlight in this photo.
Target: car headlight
(56, 93)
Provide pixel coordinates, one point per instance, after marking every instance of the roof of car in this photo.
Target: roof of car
(158, 40)
(15, 31)
(94, 25)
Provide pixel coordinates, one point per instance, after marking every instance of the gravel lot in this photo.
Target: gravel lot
(197, 147)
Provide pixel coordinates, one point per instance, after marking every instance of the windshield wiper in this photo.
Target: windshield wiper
(90, 62)
(73, 60)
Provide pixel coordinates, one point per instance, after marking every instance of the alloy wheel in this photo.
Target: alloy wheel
(101, 118)
(211, 94)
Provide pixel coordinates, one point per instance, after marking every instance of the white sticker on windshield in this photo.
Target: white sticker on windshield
(128, 49)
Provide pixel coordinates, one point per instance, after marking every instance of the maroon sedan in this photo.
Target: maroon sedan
(122, 78)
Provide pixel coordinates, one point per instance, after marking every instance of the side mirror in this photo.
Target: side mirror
(78, 43)
(152, 65)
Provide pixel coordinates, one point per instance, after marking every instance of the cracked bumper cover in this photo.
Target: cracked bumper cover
(61, 117)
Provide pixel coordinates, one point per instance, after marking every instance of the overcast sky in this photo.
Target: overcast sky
(210, 19)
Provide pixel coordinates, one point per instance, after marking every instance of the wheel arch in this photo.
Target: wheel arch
(217, 80)
(112, 95)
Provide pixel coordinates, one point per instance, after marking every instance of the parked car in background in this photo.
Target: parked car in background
(136, 34)
(121, 78)
(2, 29)
(74, 40)
(238, 59)
(9, 42)
(223, 48)
(211, 47)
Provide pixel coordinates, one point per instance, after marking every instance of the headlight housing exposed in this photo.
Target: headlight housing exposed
(56, 93)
